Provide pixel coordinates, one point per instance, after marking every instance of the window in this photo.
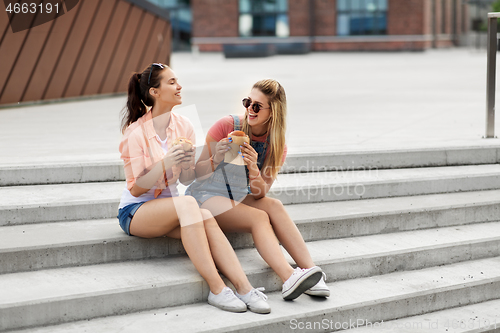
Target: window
(361, 17)
(180, 20)
(263, 18)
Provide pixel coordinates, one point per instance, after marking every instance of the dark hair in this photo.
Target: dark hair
(138, 93)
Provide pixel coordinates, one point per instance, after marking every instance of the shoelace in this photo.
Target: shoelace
(228, 293)
(324, 276)
(259, 293)
(298, 270)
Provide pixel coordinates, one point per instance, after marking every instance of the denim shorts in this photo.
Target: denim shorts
(215, 185)
(125, 215)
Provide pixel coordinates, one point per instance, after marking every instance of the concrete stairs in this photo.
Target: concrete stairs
(403, 236)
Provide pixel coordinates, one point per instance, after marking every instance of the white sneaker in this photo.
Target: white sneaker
(301, 280)
(256, 301)
(227, 300)
(320, 289)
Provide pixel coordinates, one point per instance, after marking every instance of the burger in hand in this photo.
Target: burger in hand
(239, 137)
(186, 144)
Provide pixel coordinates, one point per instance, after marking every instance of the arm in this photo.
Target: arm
(151, 175)
(205, 166)
(260, 182)
(188, 174)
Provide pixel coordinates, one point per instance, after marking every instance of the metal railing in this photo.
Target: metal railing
(491, 74)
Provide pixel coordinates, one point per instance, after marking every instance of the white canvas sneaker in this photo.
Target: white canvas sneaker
(227, 300)
(256, 301)
(320, 289)
(300, 280)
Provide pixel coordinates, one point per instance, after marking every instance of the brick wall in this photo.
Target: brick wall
(412, 18)
(299, 17)
(325, 23)
(215, 18)
(406, 17)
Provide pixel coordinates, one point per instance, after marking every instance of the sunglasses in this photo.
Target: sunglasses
(160, 66)
(255, 107)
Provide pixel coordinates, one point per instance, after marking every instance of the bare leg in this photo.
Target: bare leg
(224, 256)
(243, 218)
(161, 217)
(285, 229)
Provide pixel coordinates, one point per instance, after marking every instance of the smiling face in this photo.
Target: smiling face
(168, 94)
(260, 119)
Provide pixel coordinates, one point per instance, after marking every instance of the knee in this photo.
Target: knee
(260, 219)
(273, 205)
(186, 203)
(206, 214)
(208, 219)
(276, 203)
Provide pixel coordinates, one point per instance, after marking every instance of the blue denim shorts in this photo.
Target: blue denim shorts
(125, 215)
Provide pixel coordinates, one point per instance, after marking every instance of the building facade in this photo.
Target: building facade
(89, 48)
(330, 25)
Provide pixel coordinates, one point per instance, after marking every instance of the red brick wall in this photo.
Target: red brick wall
(325, 23)
(298, 17)
(215, 18)
(219, 18)
(405, 17)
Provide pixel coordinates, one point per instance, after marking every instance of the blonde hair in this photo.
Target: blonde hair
(276, 125)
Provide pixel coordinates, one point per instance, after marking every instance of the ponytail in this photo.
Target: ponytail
(138, 95)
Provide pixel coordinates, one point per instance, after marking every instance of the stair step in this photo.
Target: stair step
(46, 203)
(59, 244)
(392, 159)
(475, 318)
(112, 170)
(62, 173)
(373, 299)
(67, 294)
(350, 185)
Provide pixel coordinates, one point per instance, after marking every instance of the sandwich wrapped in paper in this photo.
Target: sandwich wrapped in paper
(185, 142)
(238, 139)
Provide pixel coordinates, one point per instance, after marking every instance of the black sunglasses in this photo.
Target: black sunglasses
(247, 103)
(161, 66)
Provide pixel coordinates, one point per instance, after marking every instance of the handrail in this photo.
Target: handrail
(491, 74)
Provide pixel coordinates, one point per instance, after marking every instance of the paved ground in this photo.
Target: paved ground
(337, 102)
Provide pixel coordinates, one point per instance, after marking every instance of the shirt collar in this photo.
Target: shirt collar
(149, 127)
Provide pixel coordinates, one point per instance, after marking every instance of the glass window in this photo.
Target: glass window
(282, 6)
(263, 18)
(343, 25)
(282, 27)
(245, 25)
(382, 5)
(356, 4)
(342, 5)
(180, 20)
(245, 6)
(361, 17)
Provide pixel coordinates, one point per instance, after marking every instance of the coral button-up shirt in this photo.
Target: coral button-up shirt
(140, 147)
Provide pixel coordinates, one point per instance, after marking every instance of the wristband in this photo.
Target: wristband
(212, 163)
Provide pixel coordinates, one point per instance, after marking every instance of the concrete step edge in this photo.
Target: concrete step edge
(54, 300)
(474, 318)
(42, 203)
(112, 170)
(375, 299)
(39, 246)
